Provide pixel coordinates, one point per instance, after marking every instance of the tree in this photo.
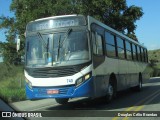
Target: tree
(114, 13)
(8, 48)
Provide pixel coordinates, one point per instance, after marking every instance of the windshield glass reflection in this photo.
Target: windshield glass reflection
(58, 49)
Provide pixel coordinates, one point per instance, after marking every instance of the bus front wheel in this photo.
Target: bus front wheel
(62, 100)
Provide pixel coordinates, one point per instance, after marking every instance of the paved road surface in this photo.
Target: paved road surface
(146, 100)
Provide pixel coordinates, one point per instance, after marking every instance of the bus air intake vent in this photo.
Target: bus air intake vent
(55, 71)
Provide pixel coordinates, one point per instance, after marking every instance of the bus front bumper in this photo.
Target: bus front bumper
(86, 89)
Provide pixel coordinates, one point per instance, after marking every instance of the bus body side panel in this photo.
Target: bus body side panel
(122, 67)
(102, 75)
(127, 71)
(132, 73)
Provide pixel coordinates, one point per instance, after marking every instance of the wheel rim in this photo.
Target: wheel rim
(140, 84)
(110, 90)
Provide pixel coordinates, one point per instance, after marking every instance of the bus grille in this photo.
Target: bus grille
(63, 90)
(55, 71)
(52, 73)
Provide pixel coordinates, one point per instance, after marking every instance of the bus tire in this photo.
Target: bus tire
(139, 86)
(62, 101)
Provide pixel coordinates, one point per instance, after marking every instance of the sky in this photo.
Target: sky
(148, 27)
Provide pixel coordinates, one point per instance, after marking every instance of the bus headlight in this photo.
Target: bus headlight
(28, 83)
(82, 79)
(87, 76)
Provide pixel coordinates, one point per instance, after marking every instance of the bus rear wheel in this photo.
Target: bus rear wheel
(62, 101)
(139, 86)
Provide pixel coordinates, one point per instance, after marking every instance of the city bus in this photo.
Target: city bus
(74, 56)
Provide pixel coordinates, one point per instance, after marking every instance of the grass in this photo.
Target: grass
(12, 85)
(155, 55)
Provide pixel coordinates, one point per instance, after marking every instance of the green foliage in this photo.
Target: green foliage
(8, 49)
(154, 57)
(12, 95)
(12, 83)
(9, 52)
(10, 71)
(122, 18)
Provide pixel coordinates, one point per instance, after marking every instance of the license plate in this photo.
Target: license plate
(52, 91)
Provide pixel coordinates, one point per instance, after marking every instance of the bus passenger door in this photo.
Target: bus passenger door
(98, 61)
(98, 54)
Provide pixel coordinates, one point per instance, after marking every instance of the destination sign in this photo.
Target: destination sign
(56, 23)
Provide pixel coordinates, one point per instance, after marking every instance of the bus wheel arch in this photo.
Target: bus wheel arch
(113, 81)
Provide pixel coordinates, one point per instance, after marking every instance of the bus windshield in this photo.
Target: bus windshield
(57, 49)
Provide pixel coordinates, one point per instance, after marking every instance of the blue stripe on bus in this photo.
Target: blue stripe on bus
(86, 89)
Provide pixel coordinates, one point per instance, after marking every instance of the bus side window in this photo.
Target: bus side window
(139, 53)
(134, 52)
(110, 44)
(97, 44)
(146, 55)
(128, 50)
(120, 48)
(142, 55)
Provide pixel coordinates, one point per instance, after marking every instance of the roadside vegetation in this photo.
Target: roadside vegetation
(154, 57)
(12, 83)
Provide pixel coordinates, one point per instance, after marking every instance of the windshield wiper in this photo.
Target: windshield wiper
(41, 38)
(65, 38)
(59, 40)
(47, 47)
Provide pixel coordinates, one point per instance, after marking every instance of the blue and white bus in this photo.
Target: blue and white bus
(76, 56)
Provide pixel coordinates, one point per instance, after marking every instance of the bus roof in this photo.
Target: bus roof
(55, 17)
